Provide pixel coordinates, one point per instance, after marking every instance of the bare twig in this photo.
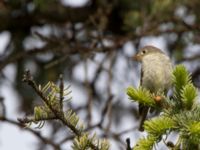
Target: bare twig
(37, 134)
(128, 142)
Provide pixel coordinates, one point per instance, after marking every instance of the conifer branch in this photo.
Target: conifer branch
(141, 95)
(53, 97)
(180, 113)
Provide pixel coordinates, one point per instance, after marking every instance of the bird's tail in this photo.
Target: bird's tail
(143, 110)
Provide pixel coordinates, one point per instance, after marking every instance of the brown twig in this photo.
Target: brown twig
(37, 134)
(90, 96)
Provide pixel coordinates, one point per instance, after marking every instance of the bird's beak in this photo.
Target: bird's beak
(137, 57)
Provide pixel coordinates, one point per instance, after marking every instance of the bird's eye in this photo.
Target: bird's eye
(143, 52)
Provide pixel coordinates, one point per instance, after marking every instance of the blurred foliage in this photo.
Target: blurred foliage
(52, 38)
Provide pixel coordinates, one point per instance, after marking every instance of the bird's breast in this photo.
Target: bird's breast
(156, 73)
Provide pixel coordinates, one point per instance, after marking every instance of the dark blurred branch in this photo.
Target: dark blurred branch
(196, 76)
(89, 93)
(2, 107)
(109, 87)
(128, 142)
(56, 47)
(37, 134)
(55, 13)
(105, 110)
(191, 58)
(22, 55)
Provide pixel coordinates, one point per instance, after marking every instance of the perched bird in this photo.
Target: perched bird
(156, 75)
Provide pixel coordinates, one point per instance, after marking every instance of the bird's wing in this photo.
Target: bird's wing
(141, 106)
(143, 110)
(141, 76)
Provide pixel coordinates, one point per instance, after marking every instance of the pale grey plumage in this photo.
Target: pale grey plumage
(155, 73)
(156, 68)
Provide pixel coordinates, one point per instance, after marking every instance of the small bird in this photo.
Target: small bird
(156, 74)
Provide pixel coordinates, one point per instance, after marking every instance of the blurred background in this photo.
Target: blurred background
(91, 43)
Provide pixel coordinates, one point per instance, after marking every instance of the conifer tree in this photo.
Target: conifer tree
(179, 113)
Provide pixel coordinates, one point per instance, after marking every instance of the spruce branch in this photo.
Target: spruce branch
(181, 77)
(57, 112)
(145, 143)
(159, 125)
(155, 128)
(82, 143)
(141, 95)
(179, 113)
(188, 95)
(194, 132)
(53, 97)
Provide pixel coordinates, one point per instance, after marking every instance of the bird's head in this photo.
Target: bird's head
(147, 50)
